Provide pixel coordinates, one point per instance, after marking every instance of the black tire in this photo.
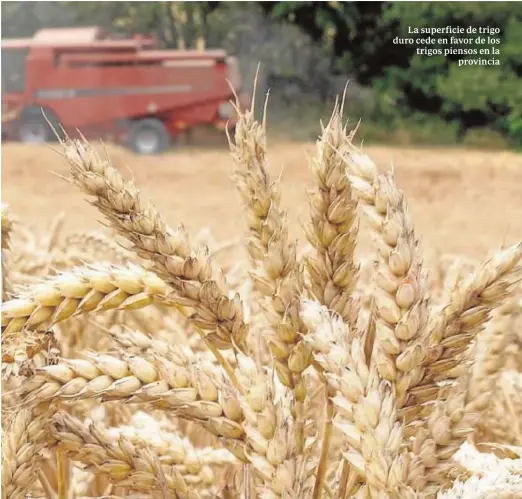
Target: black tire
(37, 126)
(148, 136)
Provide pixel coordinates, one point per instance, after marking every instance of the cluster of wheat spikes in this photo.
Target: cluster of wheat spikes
(163, 373)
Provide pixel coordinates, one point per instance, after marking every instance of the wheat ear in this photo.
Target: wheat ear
(173, 259)
(278, 274)
(170, 383)
(502, 420)
(98, 245)
(271, 447)
(442, 418)
(170, 447)
(22, 442)
(400, 284)
(82, 290)
(332, 230)
(468, 309)
(366, 406)
(27, 318)
(490, 354)
(452, 411)
(126, 464)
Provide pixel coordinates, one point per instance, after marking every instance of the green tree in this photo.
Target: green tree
(174, 23)
(361, 37)
(471, 95)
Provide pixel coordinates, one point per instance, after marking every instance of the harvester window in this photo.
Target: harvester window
(13, 69)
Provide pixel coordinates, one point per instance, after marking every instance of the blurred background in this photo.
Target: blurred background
(451, 133)
(308, 50)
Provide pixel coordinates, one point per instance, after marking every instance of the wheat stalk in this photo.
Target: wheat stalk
(7, 227)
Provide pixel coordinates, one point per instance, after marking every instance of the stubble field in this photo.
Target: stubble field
(463, 202)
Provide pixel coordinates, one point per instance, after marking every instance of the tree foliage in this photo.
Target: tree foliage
(176, 24)
(361, 36)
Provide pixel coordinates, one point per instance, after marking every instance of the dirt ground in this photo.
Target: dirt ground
(464, 202)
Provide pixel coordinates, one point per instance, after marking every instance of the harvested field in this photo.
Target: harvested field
(466, 201)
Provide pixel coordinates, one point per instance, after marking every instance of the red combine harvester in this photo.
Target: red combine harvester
(128, 90)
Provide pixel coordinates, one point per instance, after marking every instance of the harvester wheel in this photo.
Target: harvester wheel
(148, 136)
(36, 128)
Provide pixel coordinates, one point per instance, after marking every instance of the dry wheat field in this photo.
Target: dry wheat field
(318, 321)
